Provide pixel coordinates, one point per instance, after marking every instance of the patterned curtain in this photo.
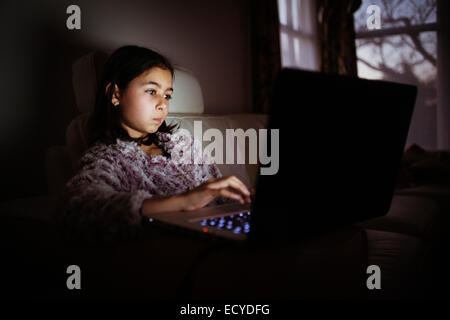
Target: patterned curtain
(337, 36)
(266, 57)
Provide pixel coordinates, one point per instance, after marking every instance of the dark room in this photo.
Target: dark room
(300, 151)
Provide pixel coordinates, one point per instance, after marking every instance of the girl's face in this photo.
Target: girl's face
(144, 103)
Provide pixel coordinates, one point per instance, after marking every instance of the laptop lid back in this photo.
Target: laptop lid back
(341, 141)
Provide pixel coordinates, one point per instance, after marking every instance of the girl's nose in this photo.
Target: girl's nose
(161, 106)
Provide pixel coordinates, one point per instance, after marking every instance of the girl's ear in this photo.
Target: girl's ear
(115, 100)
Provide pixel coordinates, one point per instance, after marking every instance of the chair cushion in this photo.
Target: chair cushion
(418, 216)
(85, 80)
(77, 138)
(401, 261)
(187, 94)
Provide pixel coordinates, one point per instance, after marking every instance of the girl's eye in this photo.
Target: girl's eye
(152, 92)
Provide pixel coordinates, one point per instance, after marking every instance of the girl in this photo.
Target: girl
(132, 167)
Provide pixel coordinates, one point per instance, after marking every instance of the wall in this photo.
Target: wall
(211, 38)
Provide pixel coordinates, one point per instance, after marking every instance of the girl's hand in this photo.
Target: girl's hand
(229, 187)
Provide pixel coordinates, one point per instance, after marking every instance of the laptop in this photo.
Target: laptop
(341, 143)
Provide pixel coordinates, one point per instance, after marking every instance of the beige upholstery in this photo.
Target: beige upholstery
(416, 216)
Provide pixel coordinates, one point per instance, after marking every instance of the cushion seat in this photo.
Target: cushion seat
(401, 259)
(421, 217)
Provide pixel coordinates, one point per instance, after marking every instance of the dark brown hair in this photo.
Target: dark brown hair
(124, 65)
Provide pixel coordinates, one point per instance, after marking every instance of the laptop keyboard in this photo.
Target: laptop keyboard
(238, 223)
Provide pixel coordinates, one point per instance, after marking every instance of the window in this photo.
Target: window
(403, 50)
(298, 34)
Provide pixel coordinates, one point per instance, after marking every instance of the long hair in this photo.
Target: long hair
(124, 64)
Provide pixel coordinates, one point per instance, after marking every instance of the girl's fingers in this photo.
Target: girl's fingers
(244, 196)
(233, 187)
(230, 182)
(241, 188)
(240, 183)
(229, 194)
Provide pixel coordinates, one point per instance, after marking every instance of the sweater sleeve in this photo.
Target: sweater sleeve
(97, 205)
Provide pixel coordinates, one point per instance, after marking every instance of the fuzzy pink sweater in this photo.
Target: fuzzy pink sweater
(104, 198)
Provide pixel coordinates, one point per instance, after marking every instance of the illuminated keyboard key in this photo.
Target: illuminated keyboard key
(237, 230)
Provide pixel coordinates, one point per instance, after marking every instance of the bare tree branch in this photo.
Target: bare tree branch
(428, 12)
(387, 72)
(368, 64)
(410, 49)
(416, 40)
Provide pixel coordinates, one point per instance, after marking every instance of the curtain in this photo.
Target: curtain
(337, 36)
(266, 57)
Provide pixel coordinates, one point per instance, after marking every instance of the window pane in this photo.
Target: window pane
(294, 11)
(300, 53)
(406, 59)
(297, 51)
(282, 11)
(308, 54)
(397, 13)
